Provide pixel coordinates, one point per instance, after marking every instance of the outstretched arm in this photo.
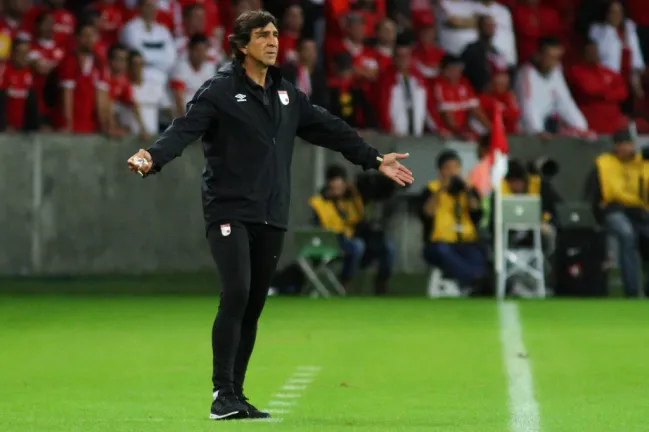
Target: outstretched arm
(200, 116)
(318, 126)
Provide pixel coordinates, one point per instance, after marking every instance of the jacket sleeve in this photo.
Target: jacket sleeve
(318, 126)
(593, 193)
(201, 115)
(617, 90)
(533, 121)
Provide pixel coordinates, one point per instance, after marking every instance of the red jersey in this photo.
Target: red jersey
(110, 21)
(47, 53)
(17, 83)
(12, 27)
(64, 23)
(288, 47)
(427, 59)
(120, 89)
(457, 99)
(531, 23)
(511, 112)
(84, 76)
(598, 91)
(638, 11)
(383, 56)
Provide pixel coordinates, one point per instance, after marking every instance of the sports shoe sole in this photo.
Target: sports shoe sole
(229, 416)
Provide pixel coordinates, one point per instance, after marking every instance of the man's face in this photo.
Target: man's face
(293, 18)
(119, 62)
(337, 187)
(198, 53)
(308, 53)
(591, 54)
(517, 186)
(615, 14)
(46, 29)
(263, 44)
(87, 39)
(450, 168)
(21, 54)
(148, 9)
(501, 82)
(488, 27)
(402, 58)
(624, 150)
(136, 66)
(551, 57)
(427, 35)
(453, 72)
(386, 33)
(196, 21)
(356, 30)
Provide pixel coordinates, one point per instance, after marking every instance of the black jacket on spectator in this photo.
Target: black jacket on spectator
(32, 117)
(351, 105)
(248, 133)
(318, 94)
(477, 66)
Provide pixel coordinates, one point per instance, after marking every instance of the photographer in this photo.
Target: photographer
(453, 210)
(340, 208)
(618, 189)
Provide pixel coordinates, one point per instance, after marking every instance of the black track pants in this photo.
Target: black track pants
(246, 256)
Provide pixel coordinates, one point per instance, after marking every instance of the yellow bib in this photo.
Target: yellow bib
(623, 182)
(340, 216)
(451, 224)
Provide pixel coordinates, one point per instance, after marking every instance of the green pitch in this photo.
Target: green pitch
(143, 364)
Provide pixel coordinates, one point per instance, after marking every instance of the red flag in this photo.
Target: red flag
(498, 149)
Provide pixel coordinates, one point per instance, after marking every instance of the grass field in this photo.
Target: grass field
(101, 363)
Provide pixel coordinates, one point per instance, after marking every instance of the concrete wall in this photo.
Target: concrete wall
(71, 207)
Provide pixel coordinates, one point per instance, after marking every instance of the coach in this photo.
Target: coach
(248, 117)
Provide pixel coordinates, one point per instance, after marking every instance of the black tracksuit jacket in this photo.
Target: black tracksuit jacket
(248, 135)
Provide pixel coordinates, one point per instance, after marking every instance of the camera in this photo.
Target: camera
(456, 186)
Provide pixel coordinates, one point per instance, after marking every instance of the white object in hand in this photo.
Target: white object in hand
(142, 163)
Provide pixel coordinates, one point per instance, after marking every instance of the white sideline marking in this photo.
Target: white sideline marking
(302, 376)
(523, 406)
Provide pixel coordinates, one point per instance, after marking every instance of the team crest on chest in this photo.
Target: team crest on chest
(283, 96)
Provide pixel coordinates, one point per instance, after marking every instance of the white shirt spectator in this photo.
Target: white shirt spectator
(542, 96)
(504, 39)
(157, 46)
(215, 56)
(454, 40)
(151, 96)
(610, 46)
(189, 80)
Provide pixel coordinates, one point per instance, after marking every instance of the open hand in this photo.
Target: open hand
(392, 168)
(140, 162)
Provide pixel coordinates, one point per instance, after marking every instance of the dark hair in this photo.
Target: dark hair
(549, 42)
(606, 7)
(83, 24)
(133, 54)
(445, 156)
(187, 10)
(243, 27)
(335, 171)
(17, 42)
(516, 170)
(303, 40)
(482, 19)
(448, 60)
(114, 48)
(622, 135)
(197, 39)
(41, 17)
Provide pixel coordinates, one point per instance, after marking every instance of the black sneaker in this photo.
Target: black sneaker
(253, 412)
(227, 406)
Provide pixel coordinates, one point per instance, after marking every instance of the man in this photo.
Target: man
(547, 106)
(305, 75)
(619, 190)
(504, 39)
(453, 102)
(386, 42)
(18, 100)
(190, 74)
(248, 117)
(481, 58)
(452, 213)
(598, 91)
(339, 207)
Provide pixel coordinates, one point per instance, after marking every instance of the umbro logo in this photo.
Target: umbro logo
(240, 97)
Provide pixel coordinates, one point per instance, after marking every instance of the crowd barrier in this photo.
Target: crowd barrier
(71, 207)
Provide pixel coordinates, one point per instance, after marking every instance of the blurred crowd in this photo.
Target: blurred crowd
(401, 67)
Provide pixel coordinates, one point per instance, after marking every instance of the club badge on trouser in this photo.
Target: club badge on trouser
(283, 96)
(226, 230)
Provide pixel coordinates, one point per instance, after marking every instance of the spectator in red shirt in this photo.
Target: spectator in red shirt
(426, 55)
(82, 78)
(402, 96)
(64, 21)
(45, 55)
(18, 101)
(532, 21)
(292, 23)
(386, 41)
(110, 21)
(120, 92)
(499, 93)
(452, 102)
(598, 91)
